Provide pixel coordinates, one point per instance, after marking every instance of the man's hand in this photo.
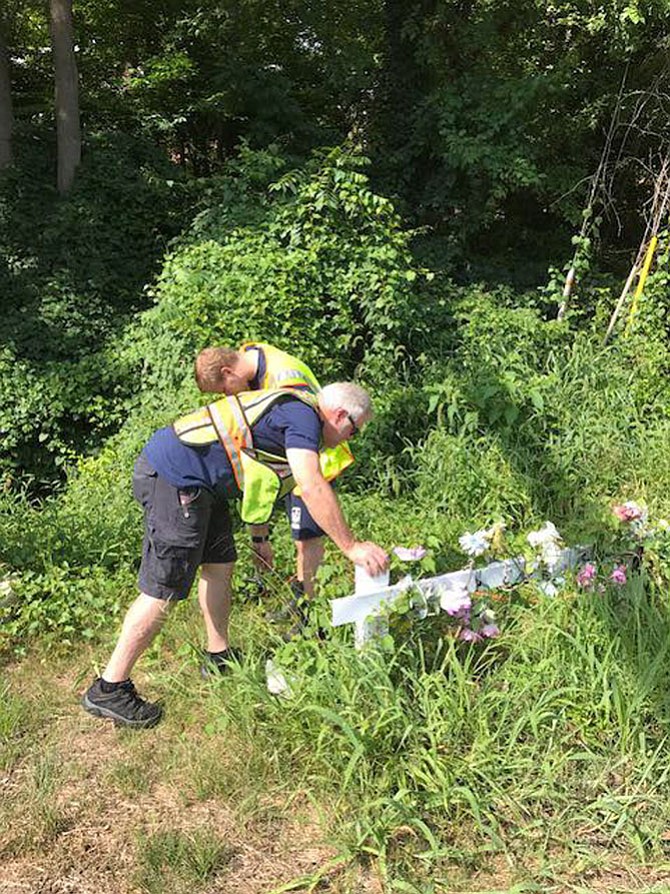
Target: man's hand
(369, 556)
(263, 556)
(322, 503)
(261, 548)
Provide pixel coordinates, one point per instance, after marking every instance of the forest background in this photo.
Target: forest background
(395, 192)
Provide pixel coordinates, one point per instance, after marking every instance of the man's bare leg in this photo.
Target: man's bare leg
(143, 620)
(215, 592)
(310, 556)
(113, 696)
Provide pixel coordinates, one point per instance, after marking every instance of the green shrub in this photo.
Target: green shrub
(319, 265)
(63, 606)
(72, 271)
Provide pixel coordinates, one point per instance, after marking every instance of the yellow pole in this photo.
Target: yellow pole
(640, 286)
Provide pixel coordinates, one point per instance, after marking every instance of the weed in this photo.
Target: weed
(31, 816)
(16, 718)
(180, 861)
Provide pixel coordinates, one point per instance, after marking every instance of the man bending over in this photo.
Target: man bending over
(257, 365)
(255, 447)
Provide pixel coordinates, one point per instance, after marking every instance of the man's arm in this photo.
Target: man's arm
(324, 508)
(263, 555)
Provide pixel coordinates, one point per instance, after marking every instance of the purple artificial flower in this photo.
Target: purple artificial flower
(618, 576)
(587, 575)
(469, 636)
(488, 631)
(409, 553)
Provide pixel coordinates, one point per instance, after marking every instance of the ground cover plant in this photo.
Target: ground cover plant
(534, 760)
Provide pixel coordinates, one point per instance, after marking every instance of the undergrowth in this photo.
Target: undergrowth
(544, 748)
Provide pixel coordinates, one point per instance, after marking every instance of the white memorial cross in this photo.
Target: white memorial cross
(366, 608)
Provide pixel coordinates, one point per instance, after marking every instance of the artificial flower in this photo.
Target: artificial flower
(548, 541)
(630, 511)
(548, 587)
(475, 544)
(547, 534)
(455, 602)
(618, 576)
(409, 553)
(586, 575)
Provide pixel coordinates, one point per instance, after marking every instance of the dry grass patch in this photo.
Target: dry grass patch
(88, 807)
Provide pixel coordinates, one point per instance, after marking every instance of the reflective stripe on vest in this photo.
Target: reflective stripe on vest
(233, 438)
(282, 370)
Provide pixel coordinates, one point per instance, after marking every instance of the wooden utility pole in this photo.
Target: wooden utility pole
(68, 130)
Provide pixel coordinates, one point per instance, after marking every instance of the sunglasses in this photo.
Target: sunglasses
(355, 430)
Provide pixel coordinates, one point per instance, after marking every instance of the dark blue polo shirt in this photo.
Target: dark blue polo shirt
(255, 383)
(288, 424)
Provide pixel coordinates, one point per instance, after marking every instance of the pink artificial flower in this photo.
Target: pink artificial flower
(469, 636)
(488, 631)
(587, 575)
(409, 554)
(455, 602)
(618, 576)
(628, 512)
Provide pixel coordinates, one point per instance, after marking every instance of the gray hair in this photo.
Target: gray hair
(347, 396)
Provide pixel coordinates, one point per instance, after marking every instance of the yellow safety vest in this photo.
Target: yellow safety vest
(282, 370)
(263, 478)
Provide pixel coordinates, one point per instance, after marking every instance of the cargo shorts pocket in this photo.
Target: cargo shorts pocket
(179, 516)
(173, 566)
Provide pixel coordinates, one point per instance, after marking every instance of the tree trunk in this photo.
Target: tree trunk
(6, 116)
(68, 130)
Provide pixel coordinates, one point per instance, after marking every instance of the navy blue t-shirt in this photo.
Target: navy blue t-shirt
(290, 423)
(255, 383)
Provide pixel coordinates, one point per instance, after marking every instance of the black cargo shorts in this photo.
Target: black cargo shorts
(303, 526)
(183, 528)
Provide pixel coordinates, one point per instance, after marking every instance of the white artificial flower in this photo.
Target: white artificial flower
(548, 541)
(546, 534)
(475, 544)
(549, 588)
(551, 556)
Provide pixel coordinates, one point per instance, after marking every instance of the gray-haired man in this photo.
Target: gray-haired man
(184, 479)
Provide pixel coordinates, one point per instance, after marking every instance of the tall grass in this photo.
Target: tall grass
(552, 738)
(550, 741)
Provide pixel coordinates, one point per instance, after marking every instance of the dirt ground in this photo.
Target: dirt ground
(84, 836)
(91, 844)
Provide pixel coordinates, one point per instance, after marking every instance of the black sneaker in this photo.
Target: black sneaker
(123, 705)
(296, 609)
(217, 663)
